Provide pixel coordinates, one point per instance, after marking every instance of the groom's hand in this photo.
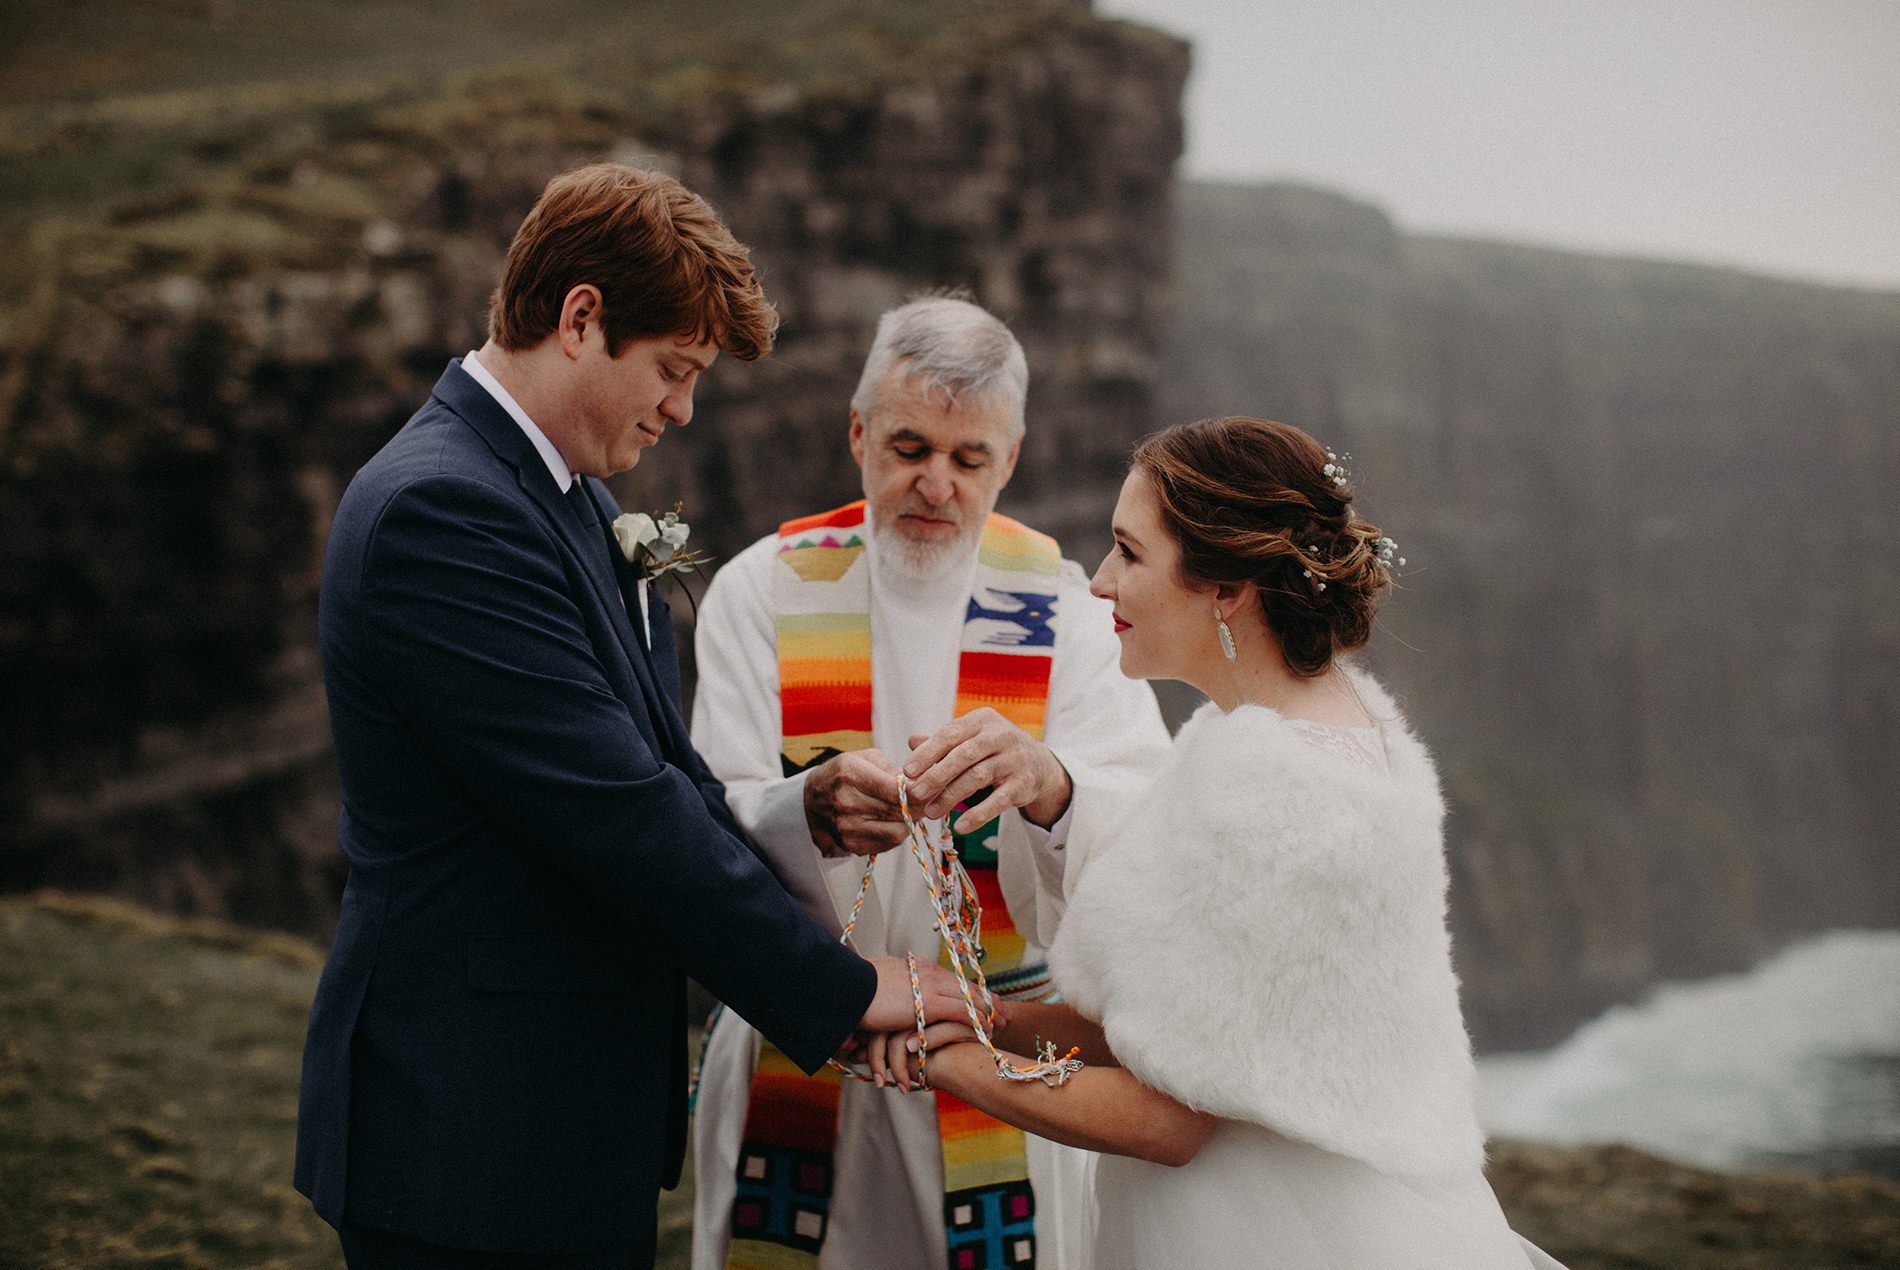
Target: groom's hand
(893, 1008)
(851, 804)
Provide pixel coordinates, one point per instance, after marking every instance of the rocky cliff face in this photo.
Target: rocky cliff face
(1652, 611)
(190, 380)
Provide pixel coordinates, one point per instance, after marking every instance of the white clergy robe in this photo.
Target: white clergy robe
(887, 1198)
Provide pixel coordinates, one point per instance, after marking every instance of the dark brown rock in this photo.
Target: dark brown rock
(190, 378)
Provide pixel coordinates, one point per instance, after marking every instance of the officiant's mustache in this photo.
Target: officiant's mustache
(916, 505)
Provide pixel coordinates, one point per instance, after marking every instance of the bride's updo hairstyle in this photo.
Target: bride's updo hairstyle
(1250, 500)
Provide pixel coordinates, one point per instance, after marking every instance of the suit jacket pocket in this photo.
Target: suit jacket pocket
(539, 962)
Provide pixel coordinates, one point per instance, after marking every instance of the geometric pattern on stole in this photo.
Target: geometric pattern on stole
(1008, 643)
(823, 623)
(782, 1199)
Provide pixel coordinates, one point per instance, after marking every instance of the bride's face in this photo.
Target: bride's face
(1166, 626)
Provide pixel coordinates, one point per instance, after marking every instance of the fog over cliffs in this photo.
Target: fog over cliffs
(1651, 618)
(1649, 624)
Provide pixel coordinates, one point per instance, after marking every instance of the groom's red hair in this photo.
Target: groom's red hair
(664, 263)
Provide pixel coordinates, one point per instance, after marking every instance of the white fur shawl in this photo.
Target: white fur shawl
(1263, 937)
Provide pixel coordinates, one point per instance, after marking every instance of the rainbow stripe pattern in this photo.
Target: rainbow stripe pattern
(823, 625)
(824, 638)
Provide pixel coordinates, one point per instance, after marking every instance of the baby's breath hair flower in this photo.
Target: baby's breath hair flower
(1335, 470)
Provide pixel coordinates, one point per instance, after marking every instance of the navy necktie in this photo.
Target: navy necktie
(589, 512)
(583, 504)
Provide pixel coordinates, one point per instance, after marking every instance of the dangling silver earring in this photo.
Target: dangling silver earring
(1226, 637)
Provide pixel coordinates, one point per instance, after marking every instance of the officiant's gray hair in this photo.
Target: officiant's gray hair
(952, 346)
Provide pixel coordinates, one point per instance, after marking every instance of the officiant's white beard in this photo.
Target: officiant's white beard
(922, 563)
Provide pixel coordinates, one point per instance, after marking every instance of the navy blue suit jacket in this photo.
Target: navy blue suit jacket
(538, 858)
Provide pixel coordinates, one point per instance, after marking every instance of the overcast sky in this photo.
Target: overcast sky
(1757, 133)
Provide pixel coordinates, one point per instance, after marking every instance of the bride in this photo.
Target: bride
(1254, 959)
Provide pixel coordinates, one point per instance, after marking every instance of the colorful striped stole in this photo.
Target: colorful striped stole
(823, 592)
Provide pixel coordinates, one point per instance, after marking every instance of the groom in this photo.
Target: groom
(495, 1072)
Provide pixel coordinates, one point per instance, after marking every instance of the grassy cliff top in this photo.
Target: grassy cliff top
(118, 115)
(90, 50)
(104, 98)
(148, 1087)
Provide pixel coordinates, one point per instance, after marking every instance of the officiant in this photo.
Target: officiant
(915, 629)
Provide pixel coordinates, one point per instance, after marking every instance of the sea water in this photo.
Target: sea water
(1793, 1065)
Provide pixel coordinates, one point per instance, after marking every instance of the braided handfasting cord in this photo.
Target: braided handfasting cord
(960, 923)
(917, 998)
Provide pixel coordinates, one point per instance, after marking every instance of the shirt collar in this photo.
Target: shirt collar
(557, 466)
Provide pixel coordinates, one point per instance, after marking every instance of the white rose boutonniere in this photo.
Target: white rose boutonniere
(655, 545)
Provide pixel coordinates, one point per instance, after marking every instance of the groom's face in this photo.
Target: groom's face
(932, 471)
(626, 402)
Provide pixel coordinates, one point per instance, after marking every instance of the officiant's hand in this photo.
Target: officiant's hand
(851, 804)
(984, 751)
(894, 1010)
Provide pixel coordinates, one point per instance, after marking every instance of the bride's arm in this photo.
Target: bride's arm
(1030, 1023)
(1100, 1108)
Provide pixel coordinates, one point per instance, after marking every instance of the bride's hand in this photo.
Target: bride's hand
(892, 1056)
(884, 1054)
(938, 1038)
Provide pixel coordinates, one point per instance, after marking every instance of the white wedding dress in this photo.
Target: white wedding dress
(1216, 931)
(1252, 1198)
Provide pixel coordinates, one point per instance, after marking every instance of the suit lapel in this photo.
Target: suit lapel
(468, 399)
(603, 570)
(660, 658)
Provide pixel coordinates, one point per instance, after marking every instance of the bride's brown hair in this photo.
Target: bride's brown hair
(1249, 500)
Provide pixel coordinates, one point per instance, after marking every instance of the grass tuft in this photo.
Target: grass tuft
(149, 1081)
(148, 1093)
